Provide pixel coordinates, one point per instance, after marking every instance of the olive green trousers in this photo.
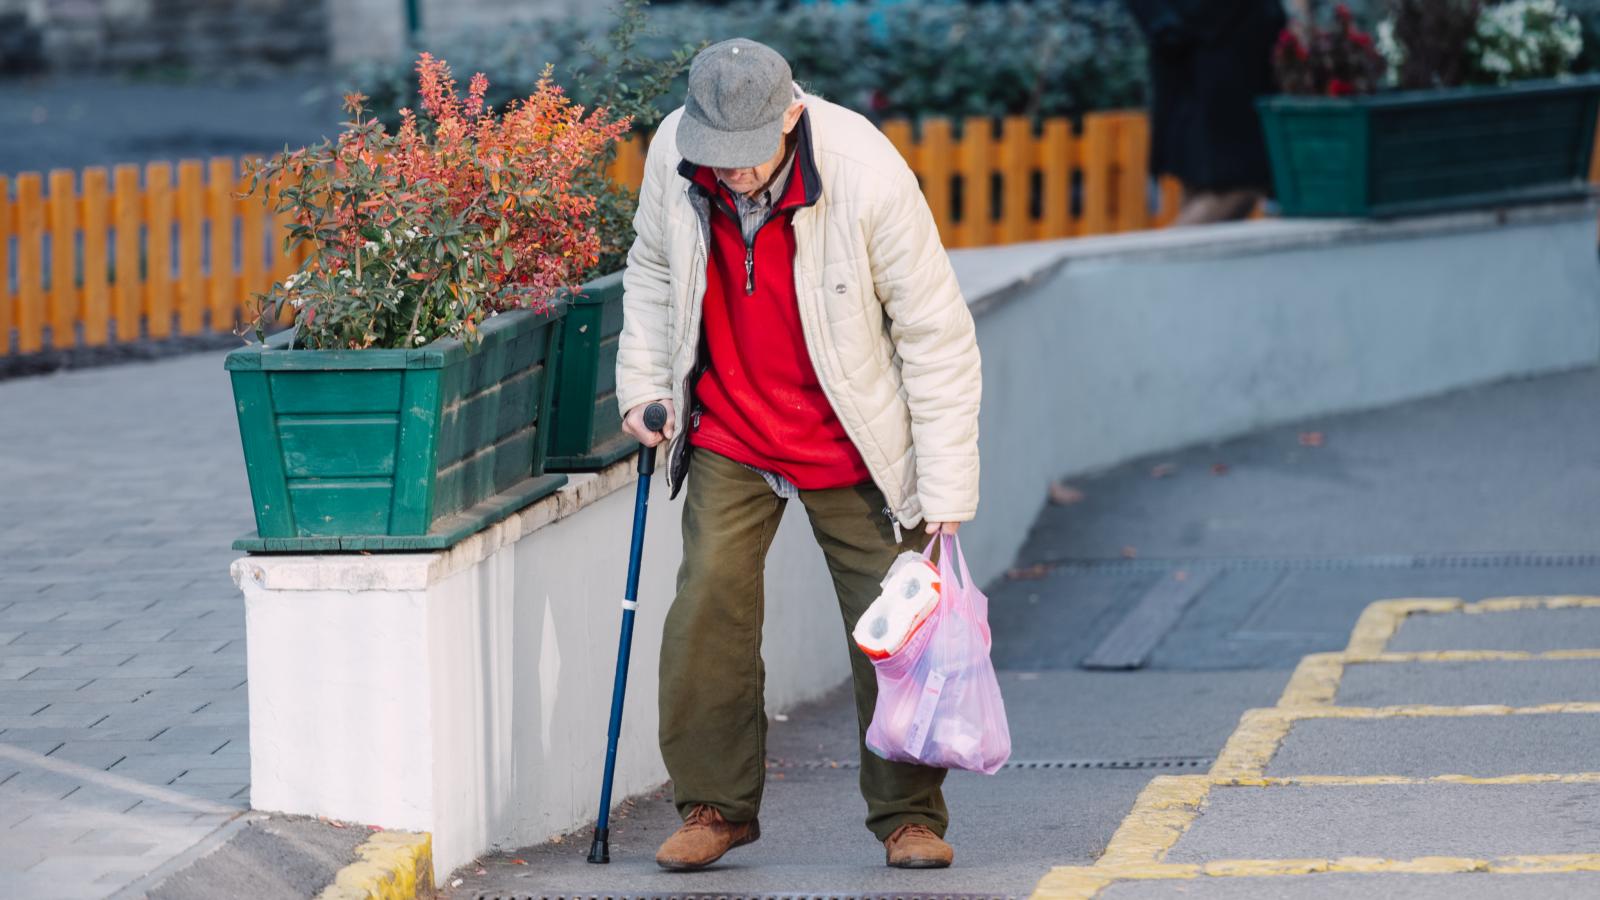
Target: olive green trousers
(713, 718)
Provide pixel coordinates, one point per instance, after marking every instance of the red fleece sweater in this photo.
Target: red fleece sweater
(761, 402)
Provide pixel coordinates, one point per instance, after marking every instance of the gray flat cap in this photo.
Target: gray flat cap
(733, 117)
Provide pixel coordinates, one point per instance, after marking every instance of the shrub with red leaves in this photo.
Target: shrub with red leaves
(420, 234)
(1337, 61)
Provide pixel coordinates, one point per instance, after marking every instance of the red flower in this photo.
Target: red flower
(1343, 14)
(1361, 39)
(1338, 87)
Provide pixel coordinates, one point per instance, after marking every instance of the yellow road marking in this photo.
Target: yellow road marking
(1253, 743)
(1518, 604)
(1169, 805)
(1316, 679)
(1261, 732)
(391, 865)
(1370, 780)
(1380, 620)
(1164, 810)
(1086, 882)
(1475, 656)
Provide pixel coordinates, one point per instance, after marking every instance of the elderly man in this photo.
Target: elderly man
(789, 301)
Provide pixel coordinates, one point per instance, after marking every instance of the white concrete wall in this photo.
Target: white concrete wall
(466, 693)
(469, 697)
(1101, 350)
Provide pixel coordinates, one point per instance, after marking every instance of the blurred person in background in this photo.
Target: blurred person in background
(1209, 61)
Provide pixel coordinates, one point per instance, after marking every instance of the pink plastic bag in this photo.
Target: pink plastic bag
(938, 701)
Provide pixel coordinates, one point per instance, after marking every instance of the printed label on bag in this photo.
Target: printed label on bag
(917, 735)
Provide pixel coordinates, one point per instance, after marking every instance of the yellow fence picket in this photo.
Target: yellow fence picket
(282, 261)
(1594, 163)
(224, 281)
(1098, 134)
(1171, 199)
(898, 132)
(7, 299)
(158, 266)
(1133, 160)
(127, 211)
(935, 163)
(96, 306)
(628, 168)
(63, 230)
(1057, 159)
(191, 215)
(1016, 173)
(30, 263)
(253, 272)
(977, 181)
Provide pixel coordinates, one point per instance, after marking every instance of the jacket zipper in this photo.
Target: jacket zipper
(898, 539)
(749, 244)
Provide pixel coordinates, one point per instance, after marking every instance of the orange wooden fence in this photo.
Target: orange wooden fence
(133, 252)
(1003, 181)
(168, 250)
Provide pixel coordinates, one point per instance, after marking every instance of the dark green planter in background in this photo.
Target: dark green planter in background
(1424, 151)
(395, 449)
(587, 430)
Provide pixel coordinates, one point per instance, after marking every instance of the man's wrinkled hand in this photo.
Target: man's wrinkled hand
(633, 424)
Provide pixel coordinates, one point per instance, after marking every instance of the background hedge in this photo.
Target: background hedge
(885, 59)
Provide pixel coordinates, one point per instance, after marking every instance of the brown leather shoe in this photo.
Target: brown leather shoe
(702, 840)
(917, 847)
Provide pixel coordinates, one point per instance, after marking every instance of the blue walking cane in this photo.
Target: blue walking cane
(655, 419)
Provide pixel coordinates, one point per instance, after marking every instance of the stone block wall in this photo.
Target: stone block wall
(209, 36)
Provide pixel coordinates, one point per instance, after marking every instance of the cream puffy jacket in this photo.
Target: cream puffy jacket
(889, 333)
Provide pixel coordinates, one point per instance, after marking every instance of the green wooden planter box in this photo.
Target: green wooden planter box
(1424, 151)
(587, 430)
(395, 449)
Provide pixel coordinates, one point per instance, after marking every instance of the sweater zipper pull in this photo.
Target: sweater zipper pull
(895, 523)
(749, 270)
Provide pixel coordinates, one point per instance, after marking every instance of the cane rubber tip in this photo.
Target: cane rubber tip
(600, 851)
(655, 417)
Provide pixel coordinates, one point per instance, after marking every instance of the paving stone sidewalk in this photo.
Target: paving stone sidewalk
(123, 722)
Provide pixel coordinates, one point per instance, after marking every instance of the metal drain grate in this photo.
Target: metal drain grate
(820, 895)
(1146, 762)
(1135, 762)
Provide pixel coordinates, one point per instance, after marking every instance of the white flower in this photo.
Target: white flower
(1391, 51)
(1521, 39)
(370, 246)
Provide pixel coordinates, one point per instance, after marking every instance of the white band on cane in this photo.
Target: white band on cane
(630, 604)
